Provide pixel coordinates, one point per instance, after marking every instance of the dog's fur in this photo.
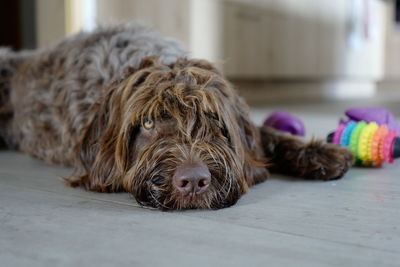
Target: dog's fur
(83, 102)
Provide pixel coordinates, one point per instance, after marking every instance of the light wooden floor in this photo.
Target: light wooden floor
(282, 222)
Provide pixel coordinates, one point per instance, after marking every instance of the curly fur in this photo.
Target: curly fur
(83, 102)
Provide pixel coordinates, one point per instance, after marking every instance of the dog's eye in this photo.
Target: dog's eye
(157, 180)
(149, 124)
(225, 133)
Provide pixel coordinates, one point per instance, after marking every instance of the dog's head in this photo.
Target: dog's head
(175, 136)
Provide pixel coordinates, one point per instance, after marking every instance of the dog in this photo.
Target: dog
(131, 112)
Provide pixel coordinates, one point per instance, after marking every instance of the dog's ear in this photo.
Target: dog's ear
(255, 170)
(95, 167)
(104, 148)
(244, 134)
(234, 112)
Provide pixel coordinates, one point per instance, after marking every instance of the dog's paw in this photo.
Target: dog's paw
(327, 162)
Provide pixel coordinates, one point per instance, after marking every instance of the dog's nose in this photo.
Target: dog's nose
(192, 178)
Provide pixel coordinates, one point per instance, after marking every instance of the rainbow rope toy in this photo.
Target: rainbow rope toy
(370, 143)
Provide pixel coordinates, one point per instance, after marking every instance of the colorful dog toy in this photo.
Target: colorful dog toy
(371, 142)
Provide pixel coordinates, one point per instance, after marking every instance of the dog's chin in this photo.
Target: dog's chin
(176, 201)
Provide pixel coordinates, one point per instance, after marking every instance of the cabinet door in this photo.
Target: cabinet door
(246, 41)
(294, 38)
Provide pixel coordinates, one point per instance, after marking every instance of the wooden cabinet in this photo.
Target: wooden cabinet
(302, 39)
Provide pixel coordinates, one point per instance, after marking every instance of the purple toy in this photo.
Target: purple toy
(374, 114)
(285, 122)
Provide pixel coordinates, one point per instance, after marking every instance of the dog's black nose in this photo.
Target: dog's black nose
(192, 179)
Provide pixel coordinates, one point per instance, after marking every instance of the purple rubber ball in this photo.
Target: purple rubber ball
(286, 122)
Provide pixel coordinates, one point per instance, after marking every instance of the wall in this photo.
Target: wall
(168, 17)
(50, 21)
(259, 44)
(392, 56)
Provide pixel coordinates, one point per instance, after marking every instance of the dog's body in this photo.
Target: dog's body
(131, 113)
(60, 83)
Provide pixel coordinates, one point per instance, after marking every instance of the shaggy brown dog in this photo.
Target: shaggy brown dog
(170, 130)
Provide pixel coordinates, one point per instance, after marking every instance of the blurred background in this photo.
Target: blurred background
(273, 50)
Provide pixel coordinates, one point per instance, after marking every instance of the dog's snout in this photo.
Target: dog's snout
(192, 179)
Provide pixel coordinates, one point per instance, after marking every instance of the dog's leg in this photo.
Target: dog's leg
(313, 160)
